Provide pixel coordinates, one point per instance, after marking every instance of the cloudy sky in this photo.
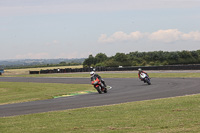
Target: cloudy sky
(42, 29)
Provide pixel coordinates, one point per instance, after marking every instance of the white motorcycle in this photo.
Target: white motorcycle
(145, 78)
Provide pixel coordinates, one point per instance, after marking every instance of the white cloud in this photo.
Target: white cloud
(194, 35)
(121, 36)
(169, 35)
(172, 35)
(166, 36)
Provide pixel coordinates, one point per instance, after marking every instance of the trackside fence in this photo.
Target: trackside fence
(70, 70)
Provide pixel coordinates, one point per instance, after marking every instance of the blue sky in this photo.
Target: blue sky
(43, 29)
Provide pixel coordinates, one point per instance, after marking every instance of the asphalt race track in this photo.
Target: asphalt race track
(123, 90)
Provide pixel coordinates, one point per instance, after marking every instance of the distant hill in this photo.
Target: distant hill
(29, 62)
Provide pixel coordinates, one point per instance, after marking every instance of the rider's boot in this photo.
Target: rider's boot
(103, 82)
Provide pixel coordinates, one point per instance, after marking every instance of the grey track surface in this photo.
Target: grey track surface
(123, 90)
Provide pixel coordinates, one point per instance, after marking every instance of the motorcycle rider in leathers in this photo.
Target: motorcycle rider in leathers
(94, 76)
(139, 72)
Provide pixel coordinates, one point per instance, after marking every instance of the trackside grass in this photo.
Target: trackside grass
(116, 75)
(13, 92)
(152, 75)
(25, 71)
(171, 115)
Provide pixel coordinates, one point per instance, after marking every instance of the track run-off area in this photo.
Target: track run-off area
(123, 90)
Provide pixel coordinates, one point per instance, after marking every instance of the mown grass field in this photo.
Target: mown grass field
(25, 71)
(121, 75)
(170, 115)
(116, 75)
(15, 92)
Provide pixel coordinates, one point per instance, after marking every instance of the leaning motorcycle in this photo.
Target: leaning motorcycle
(145, 78)
(97, 85)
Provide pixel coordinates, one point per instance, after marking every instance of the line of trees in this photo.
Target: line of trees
(155, 58)
(41, 65)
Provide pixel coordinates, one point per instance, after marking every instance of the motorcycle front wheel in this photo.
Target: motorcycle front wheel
(98, 89)
(148, 82)
(105, 90)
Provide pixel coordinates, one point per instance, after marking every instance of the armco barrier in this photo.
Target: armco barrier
(168, 67)
(34, 72)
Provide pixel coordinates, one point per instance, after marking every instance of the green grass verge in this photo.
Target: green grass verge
(13, 92)
(172, 115)
(117, 75)
(25, 71)
(175, 75)
(152, 75)
(23, 92)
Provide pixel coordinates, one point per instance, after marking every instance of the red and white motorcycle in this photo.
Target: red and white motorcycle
(145, 78)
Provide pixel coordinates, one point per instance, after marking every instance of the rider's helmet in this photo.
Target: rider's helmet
(92, 73)
(139, 69)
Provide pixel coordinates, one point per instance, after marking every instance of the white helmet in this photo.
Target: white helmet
(139, 69)
(92, 73)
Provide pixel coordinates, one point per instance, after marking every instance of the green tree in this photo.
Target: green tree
(100, 57)
(120, 57)
(90, 61)
(62, 63)
(111, 63)
(184, 54)
(144, 58)
(173, 56)
(195, 54)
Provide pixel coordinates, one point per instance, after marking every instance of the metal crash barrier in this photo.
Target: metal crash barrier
(167, 67)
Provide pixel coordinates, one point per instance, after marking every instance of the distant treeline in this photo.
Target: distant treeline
(42, 65)
(30, 63)
(155, 58)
